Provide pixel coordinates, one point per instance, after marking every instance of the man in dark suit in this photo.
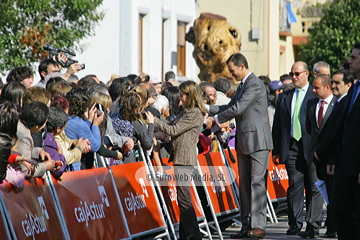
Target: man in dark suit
(291, 141)
(340, 83)
(253, 142)
(346, 193)
(319, 110)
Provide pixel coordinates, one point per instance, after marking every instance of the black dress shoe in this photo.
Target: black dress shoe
(309, 233)
(293, 230)
(241, 234)
(330, 233)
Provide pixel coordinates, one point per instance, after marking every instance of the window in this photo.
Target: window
(181, 49)
(141, 22)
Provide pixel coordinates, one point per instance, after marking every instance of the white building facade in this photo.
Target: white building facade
(141, 36)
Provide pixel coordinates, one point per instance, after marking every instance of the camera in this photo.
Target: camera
(99, 108)
(147, 78)
(232, 125)
(54, 51)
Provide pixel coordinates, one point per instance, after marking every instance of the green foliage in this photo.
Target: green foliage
(25, 25)
(333, 38)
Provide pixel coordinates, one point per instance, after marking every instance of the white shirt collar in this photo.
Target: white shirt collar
(243, 81)
(305, 88)
(341, 97)
(327, 100)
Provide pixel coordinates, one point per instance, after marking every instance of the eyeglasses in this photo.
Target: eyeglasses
(295, 73)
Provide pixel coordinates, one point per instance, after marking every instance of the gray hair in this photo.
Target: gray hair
(320, 64)
(161, 102)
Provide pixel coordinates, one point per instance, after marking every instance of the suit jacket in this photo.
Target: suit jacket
(312, 126)
(249, 108)
(351, 136)
(329, 146)
(281, 131)
(184, 133)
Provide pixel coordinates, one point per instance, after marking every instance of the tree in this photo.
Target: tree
(333, 38)
(26, 25)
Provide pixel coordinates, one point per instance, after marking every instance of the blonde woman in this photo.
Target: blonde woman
(184, 133)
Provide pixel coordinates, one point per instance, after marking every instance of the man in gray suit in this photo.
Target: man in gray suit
(253, 142)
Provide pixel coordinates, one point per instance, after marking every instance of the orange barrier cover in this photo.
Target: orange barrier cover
(278, 181)
(138, 197)
(2, 229)
(32, 212)
(233, 165)
(89, 204)
(169, 193)
(217, 182)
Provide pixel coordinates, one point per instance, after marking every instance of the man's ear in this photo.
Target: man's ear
(43, 74)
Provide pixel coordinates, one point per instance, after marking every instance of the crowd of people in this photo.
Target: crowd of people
(62, 122)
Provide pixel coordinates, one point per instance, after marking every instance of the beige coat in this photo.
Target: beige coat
(184, 133)
(72, 155)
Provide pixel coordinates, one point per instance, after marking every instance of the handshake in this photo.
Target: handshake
(211, 123)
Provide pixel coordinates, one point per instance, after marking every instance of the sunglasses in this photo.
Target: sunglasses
(295, 73)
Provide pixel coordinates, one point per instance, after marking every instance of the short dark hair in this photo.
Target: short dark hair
(34, 114)
(132, 77)
(43, 66)
(9, 118)
(357, 46)
(285, 77)
(325, 79)
(19, 74)
(57, 118)
(203, 86)
(347, 76)
(238, 59)
(54, 80)
(86, 81)
(116, 86)
(169, 75)
(13, 92)
(222, 84)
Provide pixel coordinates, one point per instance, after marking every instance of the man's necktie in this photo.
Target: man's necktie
(296, 117)
(321, 114)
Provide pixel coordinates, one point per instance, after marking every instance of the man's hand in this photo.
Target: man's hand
(44, 155)
(29, 167)
(129, 144)
(209, 121)
(119, 156)
(225, 125)
(74, 68)
(84, 144)
(149, 117)
(276, 159)
(316, 156)
(50, 165)
(141, 78)
(330, 169)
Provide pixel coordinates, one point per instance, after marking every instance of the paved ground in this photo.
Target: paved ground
(273, 231)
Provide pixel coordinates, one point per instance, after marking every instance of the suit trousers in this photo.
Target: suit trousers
(301, 175)
(346, 205)
(329, 182)
(189, 228)
(252, 169)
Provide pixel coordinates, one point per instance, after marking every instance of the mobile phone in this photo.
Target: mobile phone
(99, 108)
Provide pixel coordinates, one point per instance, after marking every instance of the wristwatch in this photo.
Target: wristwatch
(78, 147)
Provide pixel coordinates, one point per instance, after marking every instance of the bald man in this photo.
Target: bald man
(291, 142)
